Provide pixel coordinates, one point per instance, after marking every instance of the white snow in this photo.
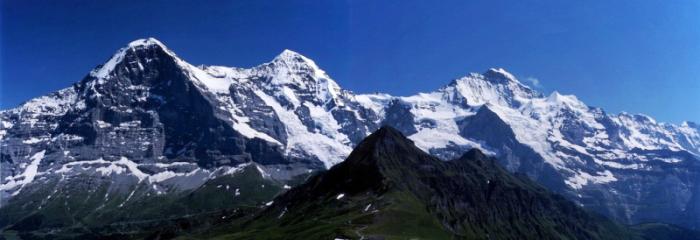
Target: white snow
(301, 141)
(262, 172)
(165, 175)
(173, 164)
(109, 66)
(583, 178)
(6, 124)
(54, 104)
(216, 85)
(374, 102)
(126, 166)
(282, 214)
(34, 140)
(290, 95)
(103, 124)
(326, 123)
(30, 172)
(236, 169)
(538, 122)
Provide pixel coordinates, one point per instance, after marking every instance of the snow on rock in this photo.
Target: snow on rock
(293, 104)
(301, 141)
(30, 172)
(496, 86)
(583, 178)
(124, 166)
(107, 68)
(34, 140)
(375, 102)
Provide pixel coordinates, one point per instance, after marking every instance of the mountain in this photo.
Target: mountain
(624, 166)
(389, 189)
(147, 126)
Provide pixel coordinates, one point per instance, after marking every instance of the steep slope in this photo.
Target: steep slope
(291, 101)
(142, 127)
(388, 188)
(621, 165)
(147, 117)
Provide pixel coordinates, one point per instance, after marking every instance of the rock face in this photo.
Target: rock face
(388, 188)
(148, 117)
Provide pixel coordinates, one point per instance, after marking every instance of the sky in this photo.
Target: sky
(633, 56)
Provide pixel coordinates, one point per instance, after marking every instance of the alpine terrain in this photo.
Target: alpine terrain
(389, 189)
(147, 137)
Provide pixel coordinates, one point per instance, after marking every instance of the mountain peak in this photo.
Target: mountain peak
(556, 97)
(291, 57)
(146, 42)
(296, 63)
(493, 75)
(134, 46)
(289, 53)
(389, 133)
(385, 145)
(500, 75)
(495, 86)
(291, 68)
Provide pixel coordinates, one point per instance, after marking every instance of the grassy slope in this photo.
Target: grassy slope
(75, 213)
(393, 215)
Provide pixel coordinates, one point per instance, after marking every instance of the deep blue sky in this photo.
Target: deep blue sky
(634, 56)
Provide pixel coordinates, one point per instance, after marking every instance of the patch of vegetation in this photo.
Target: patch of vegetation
(81, 209)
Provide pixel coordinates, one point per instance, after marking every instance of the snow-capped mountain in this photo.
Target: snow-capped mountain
(629, 167)
(147, 117)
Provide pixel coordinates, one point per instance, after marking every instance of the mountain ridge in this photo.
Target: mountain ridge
(289, 117)
(466, 198)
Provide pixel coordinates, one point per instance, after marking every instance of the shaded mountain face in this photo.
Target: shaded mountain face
(389, 189)
(147, 117)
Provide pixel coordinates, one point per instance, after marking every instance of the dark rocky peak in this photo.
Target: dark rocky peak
(387, 134)
(143, 73)
(475, 154)
(384, 156)
(387, 145)
(139, 60)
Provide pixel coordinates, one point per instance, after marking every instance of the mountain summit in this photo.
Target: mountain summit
(146, 123)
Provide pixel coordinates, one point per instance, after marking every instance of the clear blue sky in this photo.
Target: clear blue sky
(634, 56)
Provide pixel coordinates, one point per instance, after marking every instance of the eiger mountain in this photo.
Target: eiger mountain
(147, 130)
